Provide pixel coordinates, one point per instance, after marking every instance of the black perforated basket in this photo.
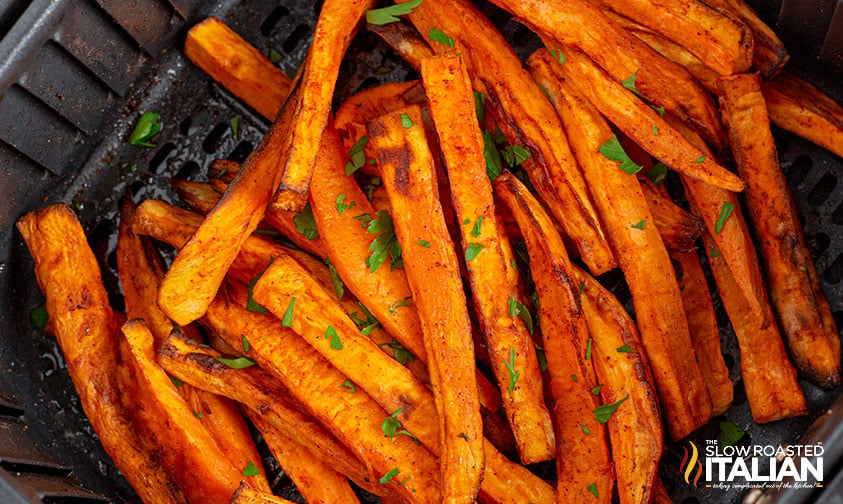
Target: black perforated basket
(75, 74)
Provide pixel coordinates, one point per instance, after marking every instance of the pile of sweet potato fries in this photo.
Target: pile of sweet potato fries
(433, 228)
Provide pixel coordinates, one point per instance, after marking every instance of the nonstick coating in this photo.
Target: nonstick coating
(35, 392)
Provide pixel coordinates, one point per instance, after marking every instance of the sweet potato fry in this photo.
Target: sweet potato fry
(723, 42)
(621, 367)
(768, 377)
(525, 118)
(248, 495)
(507, 341)
(338, 20)
(582, 452)
(261, 394)
(405, 40)
(284, 156)
(316, 480)
(188, 451)
(670, 50)
(348, 244)
(141, 270)
(795, 289)
(804, 110)
(410, 180)
(355, 112)
(354, 418)
(643, 257)
(679, 229)
(769, 55)
(660, 81)
(84, 326)
(238, 66)
(705, 334)
(733, 241)
(635, 118)
(200, 196)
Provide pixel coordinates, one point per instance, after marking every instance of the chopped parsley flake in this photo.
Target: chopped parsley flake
(385, 244)
(423, 243)
(356, 157)
(613, 151)
(238, 363)
(388, 15)
(408, 301)
(251, 470)
(725, 212)
(147, 127)
(640, 224)
(252, 305)
(287, 321)
(305, 225)
(331, 333)
(510, 366)
(472, 250)
(391, 427)
(603, 413)
(624, 349)
(406, 121)
(441, 36)
(476, 231)
(348, 386)
(342, 206)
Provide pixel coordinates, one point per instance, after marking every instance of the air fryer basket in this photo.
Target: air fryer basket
(74, 76)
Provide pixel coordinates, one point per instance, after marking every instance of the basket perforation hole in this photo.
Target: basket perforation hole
(822, 189)
(241, 151)
(161, 156)
(72, 500)
(272, 19)
(298, 35)
(837, 215)
(317, 7)
(834, 273)
(798, 169)
(33, 468)
(838, 321)
(187, 171)
(212, 141)
(817, 244)
(185, 125)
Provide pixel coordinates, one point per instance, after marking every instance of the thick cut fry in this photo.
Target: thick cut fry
(769, 55)
(795, 290)
(507, 341)
(723, 42)
(705, 334)
(804, 110)
(405, 40)
(334, 30)
(261, 394)
(636, 119)
(317, 480)
(238, 66)
(768, 377)
(84, 326)
(525, 118)
(660, 81)
(141, 270)
(296, 227)
(286, 153)
(188, 451)
(643, 257)
(354, 418)
(679, 229)
(355, 112)
(634, 430)
(410, 180)
(347, 243)
(248, 495)
(582, 453)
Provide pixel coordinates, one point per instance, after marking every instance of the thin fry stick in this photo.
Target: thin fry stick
(795, 289)
(660, 81)
(723, 42)
(410, 180)
(68, 273)
(582, 453)
(679, 229)
(643, 257)
(237, 66)
(525, 118)
(316, 480)
(804, 110)
(405, 40)
(335, 28)
(453, 111)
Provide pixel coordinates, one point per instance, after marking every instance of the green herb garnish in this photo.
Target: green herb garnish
(472, 250)
(725, 212)
(440, 36)
(408, 301)
(388, 15)
(348, 386)
(624, 349)
(385, 244)
(305, 225)
(339, 288)
(251, 469)
(236, 363)
(145, 129)
(406, 121)
(603, 413)
(510, 366)
(640, 224)
(287, 321)
(331, 333)
(475, 232)
(252, 305)
(342, 206)
(613, 151)
(39, 317)
(356, 157)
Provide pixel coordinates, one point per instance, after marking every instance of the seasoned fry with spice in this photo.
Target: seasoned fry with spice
(795, 289)
(582, 452)
(510, 347)
(642, 254)
(410, 180)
